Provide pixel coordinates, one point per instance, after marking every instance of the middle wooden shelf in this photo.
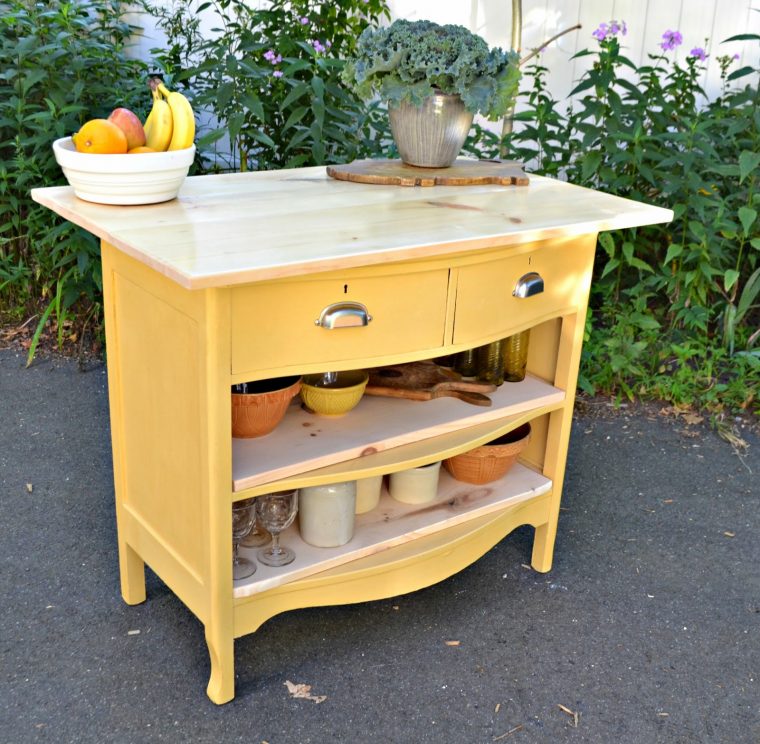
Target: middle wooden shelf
(304, 442)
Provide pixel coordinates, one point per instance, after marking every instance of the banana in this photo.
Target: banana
(184, 119)
(159, 124)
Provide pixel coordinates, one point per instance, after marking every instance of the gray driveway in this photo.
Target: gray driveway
(646, 630)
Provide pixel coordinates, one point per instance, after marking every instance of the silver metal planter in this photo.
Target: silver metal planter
(430, 135)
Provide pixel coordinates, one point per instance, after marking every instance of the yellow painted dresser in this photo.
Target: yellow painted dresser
(227, 284)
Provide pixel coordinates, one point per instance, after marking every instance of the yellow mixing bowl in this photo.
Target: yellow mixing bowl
(334, 394)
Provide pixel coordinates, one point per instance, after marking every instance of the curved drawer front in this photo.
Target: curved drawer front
(275, 323)
(486, 305)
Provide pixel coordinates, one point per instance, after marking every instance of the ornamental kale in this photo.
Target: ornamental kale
(409, 59)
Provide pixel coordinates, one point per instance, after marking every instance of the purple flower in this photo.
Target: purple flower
(736, 56)
(670, 40)
(698, 53)
(601, 32)
(318, 46)
(277, 73)
(303, 21)
(609, 30)
(273, 57)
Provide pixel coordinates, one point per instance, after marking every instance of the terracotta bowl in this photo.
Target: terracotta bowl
(491, 461)
(257, 411)
(334, 398)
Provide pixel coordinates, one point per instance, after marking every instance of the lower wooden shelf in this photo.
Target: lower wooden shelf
(392, 524)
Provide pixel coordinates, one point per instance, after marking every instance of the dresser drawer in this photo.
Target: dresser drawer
(487, 307)
(273, 323)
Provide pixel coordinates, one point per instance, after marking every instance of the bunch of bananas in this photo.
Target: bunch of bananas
(170, 124)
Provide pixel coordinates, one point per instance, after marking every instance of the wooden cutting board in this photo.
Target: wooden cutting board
(463, 172)
(426, 381)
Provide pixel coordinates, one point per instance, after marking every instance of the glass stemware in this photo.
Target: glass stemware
(276, 511)
(257, 536)
(242, 521)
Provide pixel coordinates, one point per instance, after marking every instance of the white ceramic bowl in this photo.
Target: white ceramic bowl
(145, 178)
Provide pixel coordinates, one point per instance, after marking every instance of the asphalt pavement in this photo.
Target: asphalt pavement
(647, 629)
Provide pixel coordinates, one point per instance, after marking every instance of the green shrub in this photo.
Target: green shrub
(269, 81)
(677, 303)
(60, 64)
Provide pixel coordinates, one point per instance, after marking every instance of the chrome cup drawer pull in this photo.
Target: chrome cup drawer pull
(528, 285)
(343, 315)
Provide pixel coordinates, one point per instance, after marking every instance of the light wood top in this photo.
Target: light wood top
(239, 228)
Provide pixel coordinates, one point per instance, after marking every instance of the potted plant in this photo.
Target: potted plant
(434, 78)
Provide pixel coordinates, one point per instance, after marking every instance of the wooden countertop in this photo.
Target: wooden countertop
(239, 228)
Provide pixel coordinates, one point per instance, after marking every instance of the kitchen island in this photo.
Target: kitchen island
(232, 281)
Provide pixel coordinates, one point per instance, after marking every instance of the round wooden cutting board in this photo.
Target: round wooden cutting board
(463, 172)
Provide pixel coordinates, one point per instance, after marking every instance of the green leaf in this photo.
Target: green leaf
(748, 163)
(608, 243)
(318, 86)
(252, 102)
(611, 265)
(741, 72)
(742, 37)
(748, 295)
(295, 116)
(591, 163)
(730, 278)
(583, 85)
(265, 139)
(674, 251)
(637, 263)
(747, 216)
(298, 90)
(210, 138)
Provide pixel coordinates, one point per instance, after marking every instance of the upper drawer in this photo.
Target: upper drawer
(487, 307)
(273, 323)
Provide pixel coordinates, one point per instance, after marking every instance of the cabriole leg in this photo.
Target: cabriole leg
(221, 683)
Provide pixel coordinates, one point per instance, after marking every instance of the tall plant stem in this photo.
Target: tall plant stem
(507, 123)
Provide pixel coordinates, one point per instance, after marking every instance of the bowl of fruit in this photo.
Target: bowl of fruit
(120, 160)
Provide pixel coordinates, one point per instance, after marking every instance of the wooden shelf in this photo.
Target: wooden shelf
(391, 524)
(304, 442)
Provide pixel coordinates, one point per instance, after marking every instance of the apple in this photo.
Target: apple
(130, 124)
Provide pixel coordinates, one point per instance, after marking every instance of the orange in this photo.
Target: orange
(100, 136)
(138, 150)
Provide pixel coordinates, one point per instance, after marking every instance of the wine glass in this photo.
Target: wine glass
(242, 521)
(257, 536)
(276, 512)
